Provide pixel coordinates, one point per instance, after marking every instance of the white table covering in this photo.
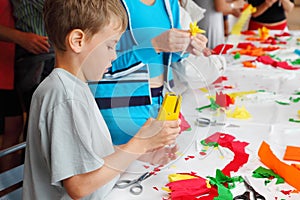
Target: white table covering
(269, 122)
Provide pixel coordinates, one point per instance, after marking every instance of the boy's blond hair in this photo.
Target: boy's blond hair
(63, 16)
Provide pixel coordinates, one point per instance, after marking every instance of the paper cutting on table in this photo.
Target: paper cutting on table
(249, 64)
(254, 51)
(290, 174)
(187, 186)
(237, 55)
(248, 32)
(212, 105)
(238, 113)
(294, 100)
(284, 34)
(294, 120)
(297, 166)
(269, 174)
(220, 181)
(263, 33)
(296, 62)
(292, 153)
(220, 80)
(181, 176)
(222, 48)
(297, 51)
(245, 45)
(234, 95)
(237, 147)
(282, 103)
(184, 125)
(224, 100)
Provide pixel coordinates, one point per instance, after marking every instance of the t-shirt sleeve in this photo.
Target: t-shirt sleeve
(71, 141)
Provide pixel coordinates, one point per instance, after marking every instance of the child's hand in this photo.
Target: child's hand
(161, 156)
(156, 134)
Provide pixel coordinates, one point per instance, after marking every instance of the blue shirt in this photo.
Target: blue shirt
(145, 23)
(154, 18)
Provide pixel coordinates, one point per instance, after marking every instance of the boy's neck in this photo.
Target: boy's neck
(70, 63)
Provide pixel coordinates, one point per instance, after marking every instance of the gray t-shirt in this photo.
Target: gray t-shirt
(66, 136)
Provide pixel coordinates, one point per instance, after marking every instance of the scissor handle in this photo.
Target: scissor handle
(203, 121)
(124, 183)
(245, 196)
(258, 196)
(136, 189)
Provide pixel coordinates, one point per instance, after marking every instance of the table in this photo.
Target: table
(269, 122)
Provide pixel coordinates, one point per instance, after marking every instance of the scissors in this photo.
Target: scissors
(203, 122)
(136, 187)
(246, 195)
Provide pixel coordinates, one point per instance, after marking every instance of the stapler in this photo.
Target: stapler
(170, 107)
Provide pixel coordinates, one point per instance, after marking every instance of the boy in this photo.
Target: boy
(69, 151)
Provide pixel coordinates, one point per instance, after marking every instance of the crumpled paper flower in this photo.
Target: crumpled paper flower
(194, 29)
(238, 113)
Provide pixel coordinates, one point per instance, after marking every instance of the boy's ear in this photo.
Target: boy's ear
(76, 40)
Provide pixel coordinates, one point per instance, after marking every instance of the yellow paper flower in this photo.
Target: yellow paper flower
(238, 113)
(194, 29)
(263, 33)
(253, 9)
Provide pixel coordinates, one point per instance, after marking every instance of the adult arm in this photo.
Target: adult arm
(33, 43)
(287, 5)
(233, 8)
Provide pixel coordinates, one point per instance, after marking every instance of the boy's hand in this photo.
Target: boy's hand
(156, 134)
(161, 156)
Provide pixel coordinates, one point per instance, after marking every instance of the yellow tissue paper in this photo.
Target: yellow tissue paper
(178, 177)
(241, 94)
(263, 33)
(194, 29)
(245, 16)
(238, 113)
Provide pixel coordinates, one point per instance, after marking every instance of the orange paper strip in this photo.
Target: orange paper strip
(292, 153)
(297, 166)
(290, 174)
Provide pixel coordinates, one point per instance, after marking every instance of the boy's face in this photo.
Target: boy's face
(100, 52)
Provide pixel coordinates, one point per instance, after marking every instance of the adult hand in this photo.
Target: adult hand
(156, 134)
(33, 43)
(236, 12)
(197, 44)
(238, 4)
(173, 40)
